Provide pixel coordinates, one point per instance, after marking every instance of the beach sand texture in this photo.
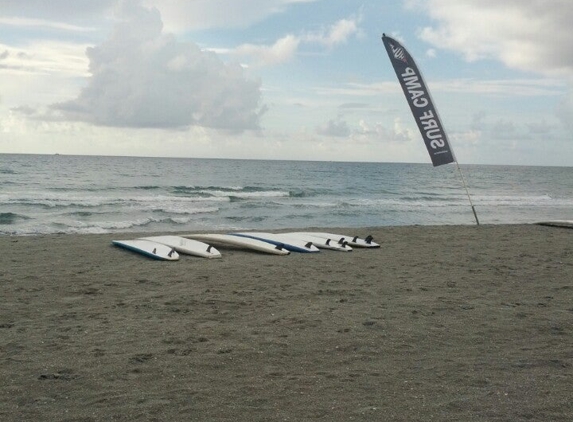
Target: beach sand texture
(450, 323)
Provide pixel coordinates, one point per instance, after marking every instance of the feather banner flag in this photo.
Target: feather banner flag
(420, 102)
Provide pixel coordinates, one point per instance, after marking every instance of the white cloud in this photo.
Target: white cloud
(206, 14)
(39, 23)
(44, 58)
(178, 15)
(41, 72)
(142, 77)
(286, 48)
(283, 50)
(397, 133)
(541, 127)
(334, 127)
(337, 33)
(502, 87)
(527, 35)
(57, 14)
(504, 129)
(564, 112)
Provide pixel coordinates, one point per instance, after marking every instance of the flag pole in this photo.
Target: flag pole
(462, 177)
(422, 106)
(467, 192)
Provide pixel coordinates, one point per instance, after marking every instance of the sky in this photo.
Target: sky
(285, 79)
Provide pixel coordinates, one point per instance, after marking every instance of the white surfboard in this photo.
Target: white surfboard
(322, 243)
(340, 238)
(568, 224)
(244, 242)
(187, 246)
(288, 242)
(148, 248)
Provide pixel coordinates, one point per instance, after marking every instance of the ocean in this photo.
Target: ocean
(48, 194)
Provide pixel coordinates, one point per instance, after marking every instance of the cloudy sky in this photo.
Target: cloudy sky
(285, 79)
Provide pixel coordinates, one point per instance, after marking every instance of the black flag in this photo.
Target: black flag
(420, 102)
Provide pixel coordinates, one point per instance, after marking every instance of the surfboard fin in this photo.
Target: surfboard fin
(369, 239)
(341, 241)
(170, 252)
(355, 239)
(209, 248)
(279, 247)
(328, 242)
(308, 245)
(155, 251)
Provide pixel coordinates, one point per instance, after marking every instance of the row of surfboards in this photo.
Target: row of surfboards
(169, 247)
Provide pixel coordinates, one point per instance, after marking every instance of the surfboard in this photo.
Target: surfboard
(244, 242)
(567, 224)
(288, 242)
(148, 248)
(322, 243)
(187, 246)
(339, 238)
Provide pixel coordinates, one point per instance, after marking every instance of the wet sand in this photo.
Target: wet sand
(450, 323)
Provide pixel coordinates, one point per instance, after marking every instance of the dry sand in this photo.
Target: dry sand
(452, 323)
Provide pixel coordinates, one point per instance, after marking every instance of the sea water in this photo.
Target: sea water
(41, 194)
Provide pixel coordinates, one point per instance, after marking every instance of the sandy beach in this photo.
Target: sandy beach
(449, 323)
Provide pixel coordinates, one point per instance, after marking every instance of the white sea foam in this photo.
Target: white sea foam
(110, 194)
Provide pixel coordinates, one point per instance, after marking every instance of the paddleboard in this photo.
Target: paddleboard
(148, 248)
(340, 238)
(187, 246)
(568, 224)
(244, 242)
(322, 243)
(288, 242)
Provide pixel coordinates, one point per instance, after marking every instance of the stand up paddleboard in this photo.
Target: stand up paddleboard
(244, 242)
(186, 246)
(322, 243)
(288, 242)
(148, 248)
(340, 238)
(566, 224)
